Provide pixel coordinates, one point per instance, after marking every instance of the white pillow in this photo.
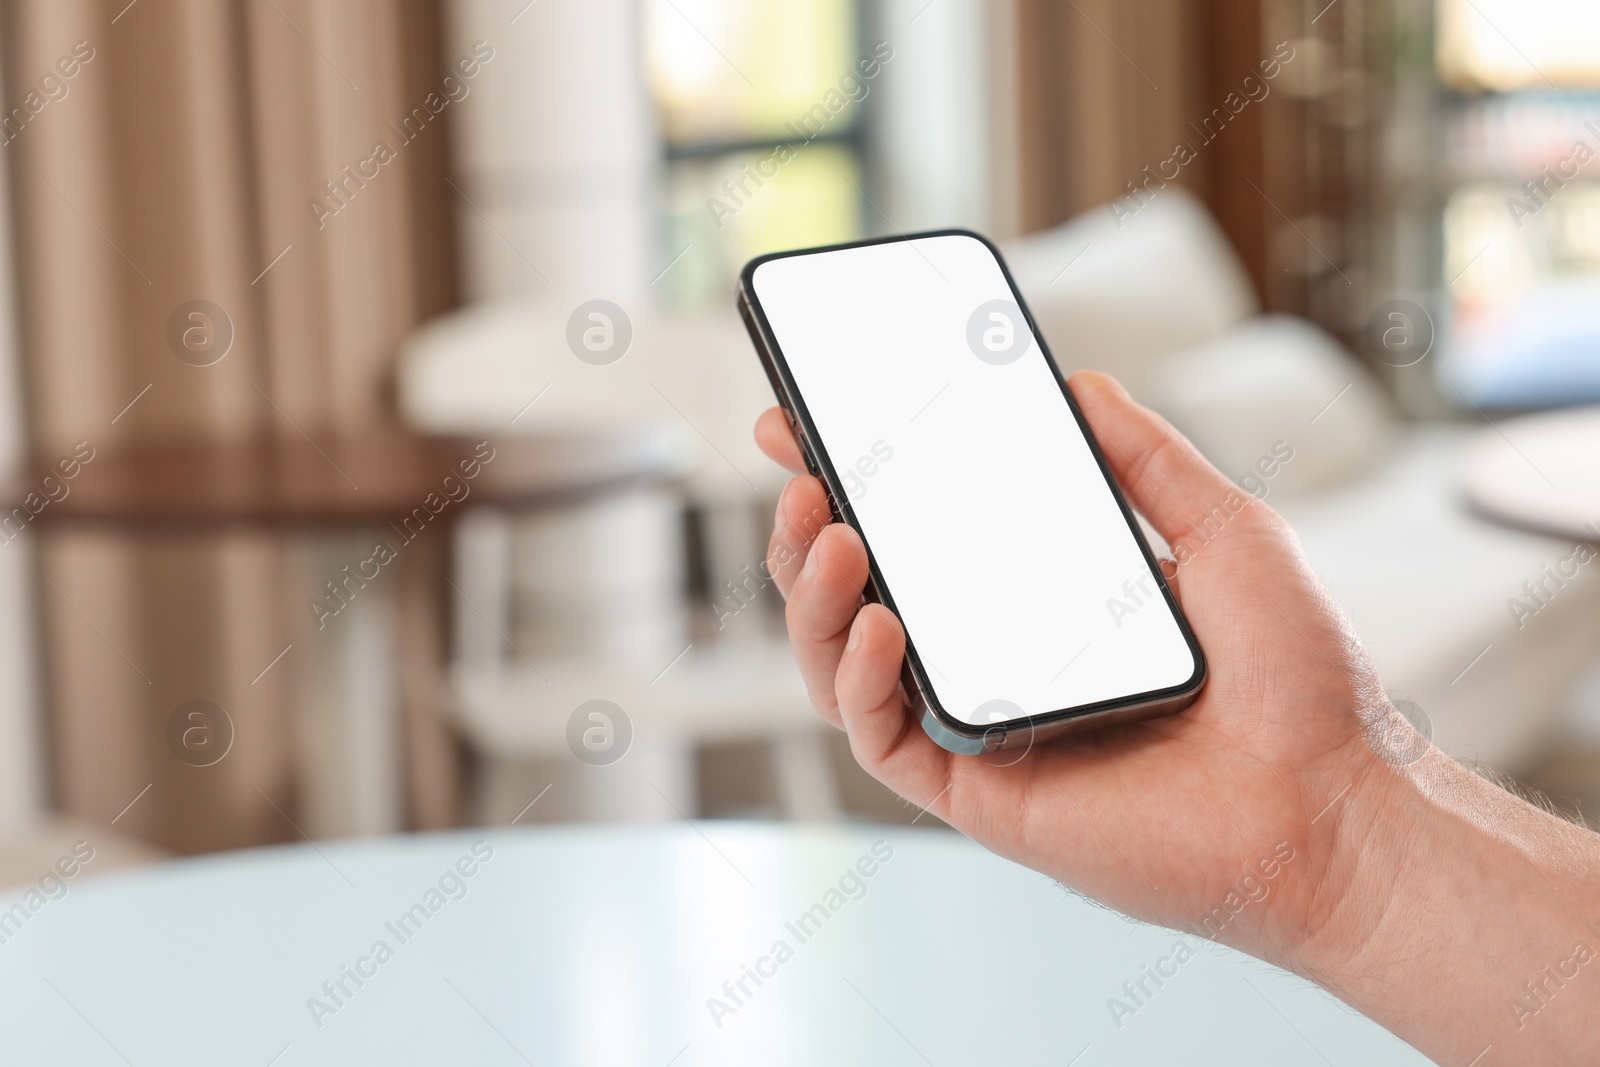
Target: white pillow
(1117, 297)
(1278, 379)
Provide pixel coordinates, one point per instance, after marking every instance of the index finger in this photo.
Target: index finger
(777, 440)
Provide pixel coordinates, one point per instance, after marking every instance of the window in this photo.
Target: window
(760, 104)
(1521, 220)
(1506, 45)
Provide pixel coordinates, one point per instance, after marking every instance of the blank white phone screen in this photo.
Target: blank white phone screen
(1002, 547)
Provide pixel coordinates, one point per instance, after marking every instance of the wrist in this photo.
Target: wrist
(1360, 843)
(1319, 913)
(1436, 897)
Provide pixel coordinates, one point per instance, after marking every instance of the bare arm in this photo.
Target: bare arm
(1462, 918)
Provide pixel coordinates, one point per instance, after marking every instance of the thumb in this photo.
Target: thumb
(1165, 478)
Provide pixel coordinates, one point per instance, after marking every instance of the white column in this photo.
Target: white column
(556, 148)
(557, 151)
(937, 138)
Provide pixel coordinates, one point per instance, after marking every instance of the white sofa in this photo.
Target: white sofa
(1164, 304)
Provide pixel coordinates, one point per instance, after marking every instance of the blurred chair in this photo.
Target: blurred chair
(654, 600)
(612, 599)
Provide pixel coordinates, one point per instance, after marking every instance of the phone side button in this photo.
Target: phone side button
(806, 453)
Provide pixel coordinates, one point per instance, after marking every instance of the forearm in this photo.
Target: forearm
(1461, 918)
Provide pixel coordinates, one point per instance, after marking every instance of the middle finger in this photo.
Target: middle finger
(803, 513)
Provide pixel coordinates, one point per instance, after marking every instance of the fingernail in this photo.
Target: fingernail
(810, 564)
(855, 635)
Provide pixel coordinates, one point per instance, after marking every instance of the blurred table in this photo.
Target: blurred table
(580, 947)
(385, 649)
(299, 483)
(1539, 473)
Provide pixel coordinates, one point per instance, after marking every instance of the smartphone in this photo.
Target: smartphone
(924, 398)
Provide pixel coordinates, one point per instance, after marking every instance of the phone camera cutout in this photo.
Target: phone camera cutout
(998, 333)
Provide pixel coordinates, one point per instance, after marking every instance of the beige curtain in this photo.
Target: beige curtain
(1105, 87)
(174, 164)
(1108, 86)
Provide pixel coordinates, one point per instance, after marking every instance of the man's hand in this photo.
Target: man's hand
(1160, 818)
(1401, 880)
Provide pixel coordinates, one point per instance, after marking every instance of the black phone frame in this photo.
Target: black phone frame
(944, 728)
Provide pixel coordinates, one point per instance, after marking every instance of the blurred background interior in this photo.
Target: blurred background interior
(273, 272)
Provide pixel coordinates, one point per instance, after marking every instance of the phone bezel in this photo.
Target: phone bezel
(965, 736)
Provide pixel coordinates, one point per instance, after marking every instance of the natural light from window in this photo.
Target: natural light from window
(764, 152)
(1517, 44)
